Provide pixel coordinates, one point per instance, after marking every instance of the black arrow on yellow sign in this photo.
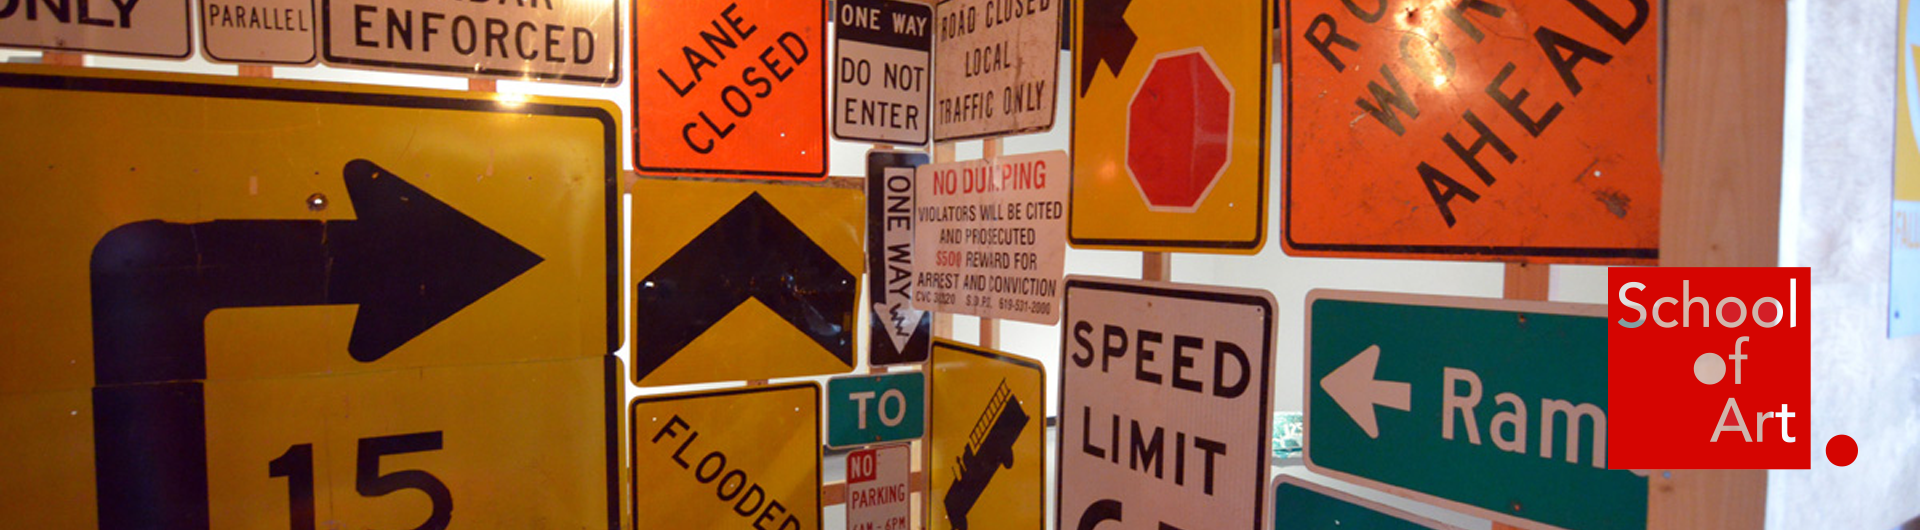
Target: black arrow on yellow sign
(1108, 39)
(409, 262)
(752, 252)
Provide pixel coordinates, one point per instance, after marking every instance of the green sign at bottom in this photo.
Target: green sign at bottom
(1302, 505)
(870, 409)
(1495, 408)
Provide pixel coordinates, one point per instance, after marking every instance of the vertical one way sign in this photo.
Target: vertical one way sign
(1416, 395)
(881, 76)
(899, 333)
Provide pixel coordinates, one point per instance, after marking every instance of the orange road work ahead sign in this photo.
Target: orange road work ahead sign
(733, 87)
(1484, 130)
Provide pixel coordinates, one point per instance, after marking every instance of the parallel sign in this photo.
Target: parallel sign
(151, 28)
(878, 495)
(991, 237)
(1300, 504)
(1408, 394)
(565, 40)
(737, 458)
(258, 31)
(278, 334)
(986, 453)
(870, 409)
(735, 87)
(995, 68)
(1413, 134)
(1171, 136)
(1138, 361)
(743, 281)
(885, 50)
(899, 333)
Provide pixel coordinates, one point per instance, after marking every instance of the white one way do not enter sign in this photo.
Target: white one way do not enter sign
(881, 74)
(1165, 406)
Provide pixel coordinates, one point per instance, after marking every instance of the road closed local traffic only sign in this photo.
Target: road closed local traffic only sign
(732, 87)
(1139, 363)
(744, 457)
(1493, 408)
(574, 41)
(150, 28)
(990, 237)
(997, 62)
(881, 79)
(1508, 131)
(1170, 125)
(285, 304)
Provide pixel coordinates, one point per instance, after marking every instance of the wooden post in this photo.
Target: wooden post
(1527, 282)
(943, 322)
(990, 327)
(1720, 199)
(1156, 266)
(63, 58)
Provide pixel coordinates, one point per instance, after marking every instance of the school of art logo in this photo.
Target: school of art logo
(1709, 368)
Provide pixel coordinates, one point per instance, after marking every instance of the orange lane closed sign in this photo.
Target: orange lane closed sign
(735, 87)
(1485, 129)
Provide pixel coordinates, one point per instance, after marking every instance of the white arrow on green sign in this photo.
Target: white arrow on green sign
(1495, 408)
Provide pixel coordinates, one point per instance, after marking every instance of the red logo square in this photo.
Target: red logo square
(1709, 368)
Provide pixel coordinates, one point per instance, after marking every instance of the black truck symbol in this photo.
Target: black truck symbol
(989, 448)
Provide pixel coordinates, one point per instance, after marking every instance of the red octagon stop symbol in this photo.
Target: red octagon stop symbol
(1179, 130)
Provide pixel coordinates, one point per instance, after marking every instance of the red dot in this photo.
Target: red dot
(1841, 450)
(1767, 312)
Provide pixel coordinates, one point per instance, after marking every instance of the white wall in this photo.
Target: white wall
(1839, 156)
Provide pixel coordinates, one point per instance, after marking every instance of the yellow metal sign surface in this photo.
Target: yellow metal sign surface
(1170, 125)
(207, 272)
(737, 458)
(260, 164)
(987, 432)
(509, 445)
(744, 281)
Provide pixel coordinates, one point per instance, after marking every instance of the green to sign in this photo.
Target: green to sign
(1302, 505)
(1496, 408)
(870, 409)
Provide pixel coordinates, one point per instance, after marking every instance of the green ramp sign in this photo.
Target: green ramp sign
(1300, 504)
(1495, 408)
(871, 409)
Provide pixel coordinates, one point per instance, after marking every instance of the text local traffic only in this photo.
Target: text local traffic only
(1428, 59)
(1155, 358)
(989, 58)
(426, 30)
(731, 485)
(731, 38)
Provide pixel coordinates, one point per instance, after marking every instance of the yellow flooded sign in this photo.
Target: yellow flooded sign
(737, 458)
(255, 303)
(987, 456)
(744, 281)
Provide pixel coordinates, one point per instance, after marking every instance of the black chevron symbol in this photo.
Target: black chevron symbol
(754, 252)
(1108, 39)
(409, 262)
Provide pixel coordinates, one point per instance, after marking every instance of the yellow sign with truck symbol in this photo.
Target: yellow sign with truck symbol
(987, 457)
